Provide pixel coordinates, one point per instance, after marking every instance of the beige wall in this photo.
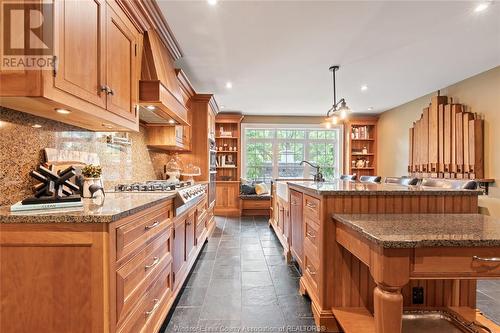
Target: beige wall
(482, 94)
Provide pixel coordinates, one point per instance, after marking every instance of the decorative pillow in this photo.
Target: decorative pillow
(247, 189)
(261, 189)
(245, 181)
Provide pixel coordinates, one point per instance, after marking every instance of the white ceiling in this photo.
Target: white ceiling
(277, 53)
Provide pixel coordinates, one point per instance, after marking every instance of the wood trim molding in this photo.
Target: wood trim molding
(184, 83)
(146, 15)
(207, 98)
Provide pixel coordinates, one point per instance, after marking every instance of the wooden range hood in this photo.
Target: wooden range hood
(160, 95)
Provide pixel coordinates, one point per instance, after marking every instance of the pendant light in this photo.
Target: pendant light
(339, 110)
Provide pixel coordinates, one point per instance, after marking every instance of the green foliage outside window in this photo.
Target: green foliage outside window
(271, 152)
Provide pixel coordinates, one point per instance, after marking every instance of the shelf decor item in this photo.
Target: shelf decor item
(92, 181)
(55, 190)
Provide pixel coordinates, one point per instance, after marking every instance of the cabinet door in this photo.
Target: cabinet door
(52, 278)
(296, 223)
(190, 236)
(233, 193)
(121, 64)
(179, 134)
(80, 49)
(221, 195)
(178, 249)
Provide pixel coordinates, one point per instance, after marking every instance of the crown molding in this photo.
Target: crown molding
(146, 15)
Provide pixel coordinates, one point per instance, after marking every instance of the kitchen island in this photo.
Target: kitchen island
(398, 248)
(331, 275)
(111, 267)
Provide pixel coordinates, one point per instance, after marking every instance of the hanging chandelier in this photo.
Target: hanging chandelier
(339, 110)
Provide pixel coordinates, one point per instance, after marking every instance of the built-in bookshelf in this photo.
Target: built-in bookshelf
(361, 138)
(227, 140)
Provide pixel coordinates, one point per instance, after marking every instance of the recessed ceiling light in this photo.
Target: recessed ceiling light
(212, 2)
(63, 111)
(229, 84)
(36, 126)
(481, 7)
(150, 107)
(364, 87)
(370, 108)
(222, 106)
(171, 121)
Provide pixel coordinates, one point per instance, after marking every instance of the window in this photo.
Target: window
(272, 152)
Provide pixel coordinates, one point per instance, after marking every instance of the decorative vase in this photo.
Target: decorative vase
(87, 182)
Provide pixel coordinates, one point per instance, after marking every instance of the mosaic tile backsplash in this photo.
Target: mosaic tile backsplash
(21, 150)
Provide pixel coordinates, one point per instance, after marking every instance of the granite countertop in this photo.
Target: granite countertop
(345, 187)
(116, 206)
(425, 230)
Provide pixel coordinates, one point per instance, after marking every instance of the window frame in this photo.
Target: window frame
(275, 143)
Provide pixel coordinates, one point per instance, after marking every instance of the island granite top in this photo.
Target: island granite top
(425, 230)
(345, 187)
(116, 206)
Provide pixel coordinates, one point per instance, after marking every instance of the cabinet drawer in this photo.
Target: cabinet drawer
(255, 204)
(312, 208)
(201, 225)
(311, 272)
(133, 277)
(311, 236)
(457, 261)
(157, 294)
(202, 209)
(141, 228)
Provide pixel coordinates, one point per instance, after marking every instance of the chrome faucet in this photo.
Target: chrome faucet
(318, 177)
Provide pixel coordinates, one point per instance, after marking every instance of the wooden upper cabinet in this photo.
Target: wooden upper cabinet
(80, 49)
(121, 65)
(97, 53)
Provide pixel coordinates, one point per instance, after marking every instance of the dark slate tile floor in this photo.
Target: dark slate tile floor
(488, 299)
(241, 282)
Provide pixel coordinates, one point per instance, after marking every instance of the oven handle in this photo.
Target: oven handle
(213, 172)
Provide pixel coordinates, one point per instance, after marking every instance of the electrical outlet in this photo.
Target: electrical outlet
(418, 295)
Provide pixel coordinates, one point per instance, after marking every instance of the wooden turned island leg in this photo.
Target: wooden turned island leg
(388, 309)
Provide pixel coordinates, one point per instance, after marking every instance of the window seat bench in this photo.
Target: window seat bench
(255, 205)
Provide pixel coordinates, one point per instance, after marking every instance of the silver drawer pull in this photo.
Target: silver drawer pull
(152, 225)
(310, 205)
(155, 262)
(308, 234)
(486, 259)
(156, 304)
(312, 273)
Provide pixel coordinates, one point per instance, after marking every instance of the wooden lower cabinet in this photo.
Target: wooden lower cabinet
(98, 277)
(52, 278)
(227, 198)
(190, 235)
(334, 278)
(296, 222)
